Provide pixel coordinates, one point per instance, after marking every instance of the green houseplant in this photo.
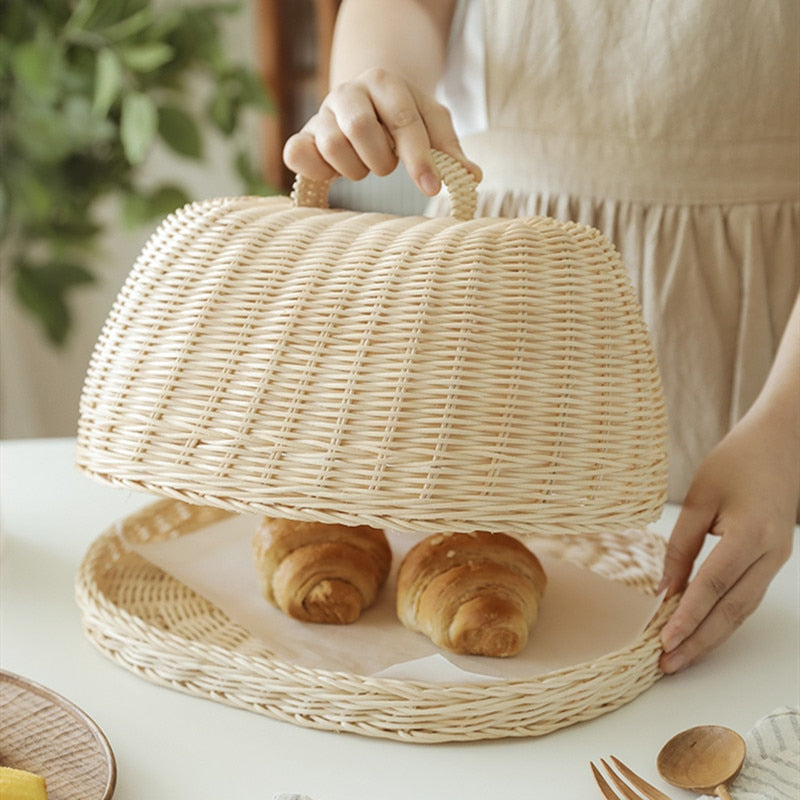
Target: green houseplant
(86, 89)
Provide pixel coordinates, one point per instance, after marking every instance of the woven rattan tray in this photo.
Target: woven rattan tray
(153, 625)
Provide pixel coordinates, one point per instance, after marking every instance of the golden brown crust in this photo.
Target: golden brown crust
(317, 572)
(476, 593)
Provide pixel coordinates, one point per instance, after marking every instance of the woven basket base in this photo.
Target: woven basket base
(153, 625)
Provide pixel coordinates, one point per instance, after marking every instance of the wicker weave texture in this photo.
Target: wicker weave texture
(153, 625)
(406, 372)
(46, 734)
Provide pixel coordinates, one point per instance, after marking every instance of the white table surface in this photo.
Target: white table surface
(172, 745)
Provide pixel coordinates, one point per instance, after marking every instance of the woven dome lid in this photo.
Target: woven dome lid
(405, 372)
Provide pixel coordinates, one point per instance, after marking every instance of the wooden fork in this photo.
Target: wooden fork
(645, 790)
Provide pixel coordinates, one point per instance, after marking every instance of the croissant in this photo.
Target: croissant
(317, 572)
(475, 593)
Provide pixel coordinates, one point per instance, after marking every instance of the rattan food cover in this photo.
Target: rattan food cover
(407, 372)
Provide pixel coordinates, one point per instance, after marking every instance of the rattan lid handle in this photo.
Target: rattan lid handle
(458, 180)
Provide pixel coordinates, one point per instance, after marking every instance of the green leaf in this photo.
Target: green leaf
(4, 210)
(130, 26)
(14, 21)
(252, 90)
(180, 131)
(34, 201)
(222, 112)
(82, 83)
(107, 83)
(147, 57)
(138, 125)
(73, 230)
(166, 22)
(35, 67)
(64, 275)
(135, 210)
(165, 199)
(81, 15)
(49, 309)
(39, 132)
(140, 207)
(95, 17)
(42, 290)
(198, 39)
(239, 88)
(81, 127)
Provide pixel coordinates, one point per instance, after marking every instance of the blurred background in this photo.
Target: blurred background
(112, 114)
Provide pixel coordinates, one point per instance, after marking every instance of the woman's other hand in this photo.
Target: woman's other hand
(746, 492)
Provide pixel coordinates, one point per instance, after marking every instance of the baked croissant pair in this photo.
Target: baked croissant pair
(475, 593)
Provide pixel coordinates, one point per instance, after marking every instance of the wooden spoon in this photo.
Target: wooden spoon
(702, 759)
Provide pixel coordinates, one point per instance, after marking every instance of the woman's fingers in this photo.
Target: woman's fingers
(322, 151)
(352, 113)
(302, 156)
(755, 541)
(723, 617)
(722, 569)
(335, 147)
(401, 112)
(442, 135)
(367, 125)
(685, 542)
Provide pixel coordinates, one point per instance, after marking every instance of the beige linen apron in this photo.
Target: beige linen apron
(674, 127)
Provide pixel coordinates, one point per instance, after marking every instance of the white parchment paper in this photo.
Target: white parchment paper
(583, 615)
